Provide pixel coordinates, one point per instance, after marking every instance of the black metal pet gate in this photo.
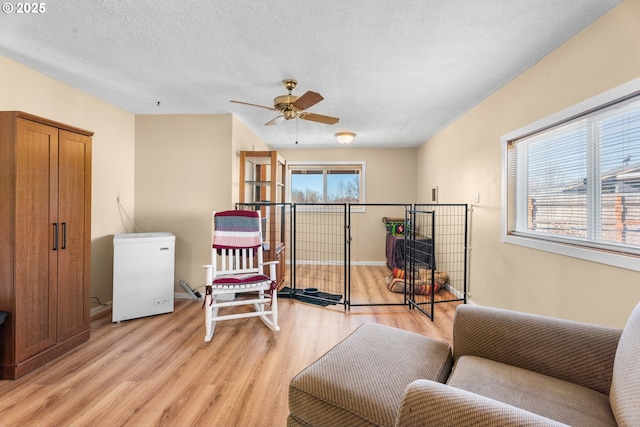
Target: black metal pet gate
(428, 253)
(437, 249)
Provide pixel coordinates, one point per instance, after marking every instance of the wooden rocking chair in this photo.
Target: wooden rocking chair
(237, 266)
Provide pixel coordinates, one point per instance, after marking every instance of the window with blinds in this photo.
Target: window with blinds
(577, 182)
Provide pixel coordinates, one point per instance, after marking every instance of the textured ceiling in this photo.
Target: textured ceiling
(394, 72)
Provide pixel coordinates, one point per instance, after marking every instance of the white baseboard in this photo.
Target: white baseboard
(182, 295)
(100, 309)
(186, 296)
(371, 263)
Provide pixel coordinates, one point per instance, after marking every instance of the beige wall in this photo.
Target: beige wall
(26, 90)
(243, 139)
(389, 178)
(186, 167)
(465, 159)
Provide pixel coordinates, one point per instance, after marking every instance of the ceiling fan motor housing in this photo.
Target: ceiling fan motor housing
(284, 102)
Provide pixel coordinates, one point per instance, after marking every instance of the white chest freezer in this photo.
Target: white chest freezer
(143, 274)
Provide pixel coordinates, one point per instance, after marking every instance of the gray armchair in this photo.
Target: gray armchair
(509, 369)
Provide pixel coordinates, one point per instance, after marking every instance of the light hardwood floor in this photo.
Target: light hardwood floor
(158, 371)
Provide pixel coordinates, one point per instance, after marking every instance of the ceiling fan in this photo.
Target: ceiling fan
(293, 107)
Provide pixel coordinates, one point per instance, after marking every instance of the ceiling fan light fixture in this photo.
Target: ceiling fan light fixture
(345, 137)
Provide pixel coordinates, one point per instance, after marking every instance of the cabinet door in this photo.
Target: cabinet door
(35, 238)
(74, 195)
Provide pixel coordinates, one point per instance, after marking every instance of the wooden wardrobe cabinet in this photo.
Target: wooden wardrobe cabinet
(45, 240)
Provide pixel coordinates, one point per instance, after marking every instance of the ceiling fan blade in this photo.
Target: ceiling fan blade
(307, 100)
(274, 120)
(255, 105)
(328, 120)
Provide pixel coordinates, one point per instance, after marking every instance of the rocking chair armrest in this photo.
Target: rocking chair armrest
(208, 273)
(272, 268)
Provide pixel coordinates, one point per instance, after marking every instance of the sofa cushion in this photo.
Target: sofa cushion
(361, 381)
(543, 395)
(625, 384)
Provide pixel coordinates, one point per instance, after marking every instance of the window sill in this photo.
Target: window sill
(629, 262)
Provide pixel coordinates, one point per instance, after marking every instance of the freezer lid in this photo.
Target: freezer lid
(127, 238)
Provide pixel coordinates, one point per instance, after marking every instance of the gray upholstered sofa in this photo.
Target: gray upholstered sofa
(506, 369)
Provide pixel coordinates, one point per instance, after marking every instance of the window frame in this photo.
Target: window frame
(327, 165)
(617, 259)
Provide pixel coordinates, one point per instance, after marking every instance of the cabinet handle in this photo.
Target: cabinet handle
(64, 235)
(55, 236)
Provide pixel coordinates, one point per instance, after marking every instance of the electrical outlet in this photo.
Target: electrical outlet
(118, 196)
(477, 197)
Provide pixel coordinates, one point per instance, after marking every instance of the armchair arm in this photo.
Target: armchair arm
(576, 352)
(430, 403)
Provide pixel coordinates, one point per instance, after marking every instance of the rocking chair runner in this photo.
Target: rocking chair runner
(237, 266)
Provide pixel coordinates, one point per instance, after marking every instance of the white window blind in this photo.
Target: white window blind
(578, 182)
